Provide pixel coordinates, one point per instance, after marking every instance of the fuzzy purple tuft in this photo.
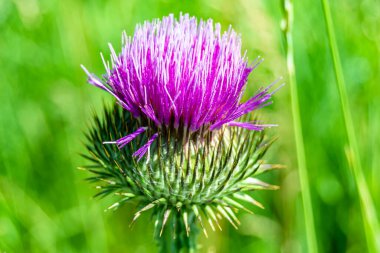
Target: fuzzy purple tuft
(181, 72)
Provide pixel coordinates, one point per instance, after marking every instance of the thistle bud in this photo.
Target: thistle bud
(179, 140)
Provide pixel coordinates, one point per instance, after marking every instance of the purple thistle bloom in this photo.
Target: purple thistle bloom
(181, 72)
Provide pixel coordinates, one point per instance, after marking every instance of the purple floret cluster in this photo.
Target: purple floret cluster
(181, 73)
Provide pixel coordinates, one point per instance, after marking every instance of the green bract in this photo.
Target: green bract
(185, 176)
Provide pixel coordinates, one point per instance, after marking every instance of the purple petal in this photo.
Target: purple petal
(126, 139)
(148, 110)
(141, 151)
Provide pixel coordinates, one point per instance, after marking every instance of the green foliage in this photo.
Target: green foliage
(371, 223)
(312, 245)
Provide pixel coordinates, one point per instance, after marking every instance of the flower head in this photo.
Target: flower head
(181, 73)
(179, 84)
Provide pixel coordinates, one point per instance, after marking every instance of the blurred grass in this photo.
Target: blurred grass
(371, 224)
(45, 206)
(288, 22)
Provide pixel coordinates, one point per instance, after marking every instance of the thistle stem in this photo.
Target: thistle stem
(300, 149)
(371, 224)
(174, 238)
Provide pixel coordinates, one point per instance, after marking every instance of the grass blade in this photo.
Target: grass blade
(300, 149)
(371, 224)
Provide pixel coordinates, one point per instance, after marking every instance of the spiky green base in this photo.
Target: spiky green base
(185, 176)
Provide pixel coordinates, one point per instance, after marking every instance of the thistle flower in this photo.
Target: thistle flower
(181, 147)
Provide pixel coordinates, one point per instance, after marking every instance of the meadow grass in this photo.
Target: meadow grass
(312, 245)
(371, 224)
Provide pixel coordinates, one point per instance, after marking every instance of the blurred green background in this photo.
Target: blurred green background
(46, 105)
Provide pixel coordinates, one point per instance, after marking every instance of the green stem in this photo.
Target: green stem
(371, 224)
(174, 238)
(304, 179)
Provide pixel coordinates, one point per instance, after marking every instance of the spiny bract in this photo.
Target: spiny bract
(193, 173)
